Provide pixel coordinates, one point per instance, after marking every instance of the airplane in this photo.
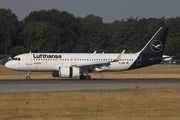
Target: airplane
(73, 65)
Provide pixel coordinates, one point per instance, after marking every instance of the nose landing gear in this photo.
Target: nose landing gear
(28, 75)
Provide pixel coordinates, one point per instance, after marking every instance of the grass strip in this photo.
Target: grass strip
(156, 71)
(134, 104)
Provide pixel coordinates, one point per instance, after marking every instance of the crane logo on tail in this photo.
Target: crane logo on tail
(156, 46)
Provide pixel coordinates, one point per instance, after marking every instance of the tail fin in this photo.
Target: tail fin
(152, 52)
(156, 44)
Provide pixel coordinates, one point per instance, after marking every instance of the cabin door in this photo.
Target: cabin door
(29, 59)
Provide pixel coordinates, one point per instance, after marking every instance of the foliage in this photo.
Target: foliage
(60, 31)
(8, 30)
(17, 50)
(39, 36)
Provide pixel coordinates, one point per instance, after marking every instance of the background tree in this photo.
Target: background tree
(64, 23)
(95, 33)
(9, 30)
(40, 37)
(81, 44)
(17, 50)
(115, 40)
(60, 31)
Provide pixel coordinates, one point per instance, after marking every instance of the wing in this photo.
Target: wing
(101, 63)
(93, 65)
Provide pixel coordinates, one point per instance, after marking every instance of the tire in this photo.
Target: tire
(82, 77)
(27, 78)
(88, 77)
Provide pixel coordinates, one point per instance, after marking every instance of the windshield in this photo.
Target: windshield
(17, 59)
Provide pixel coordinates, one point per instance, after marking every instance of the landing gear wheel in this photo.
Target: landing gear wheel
(27, 78)
(88, 77)
(28, 75)
(82, 77)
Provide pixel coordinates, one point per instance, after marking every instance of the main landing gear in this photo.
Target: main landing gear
(28, 75)
(85, 77)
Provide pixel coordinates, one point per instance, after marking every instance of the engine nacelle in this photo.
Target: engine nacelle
(66, 72)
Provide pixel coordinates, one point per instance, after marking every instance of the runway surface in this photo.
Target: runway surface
(75, 84)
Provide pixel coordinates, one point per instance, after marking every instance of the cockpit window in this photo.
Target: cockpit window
(17, 59)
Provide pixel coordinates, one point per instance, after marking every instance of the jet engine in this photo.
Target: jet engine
(66, 72)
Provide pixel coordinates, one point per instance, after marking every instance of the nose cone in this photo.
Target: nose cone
(8, 65)
(13, 65)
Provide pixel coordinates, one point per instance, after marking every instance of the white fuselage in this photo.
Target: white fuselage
(52, 61)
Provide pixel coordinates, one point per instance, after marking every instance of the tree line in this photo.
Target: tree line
(61, 32)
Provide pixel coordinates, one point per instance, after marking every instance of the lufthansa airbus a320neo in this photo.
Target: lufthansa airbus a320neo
(71, 65)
